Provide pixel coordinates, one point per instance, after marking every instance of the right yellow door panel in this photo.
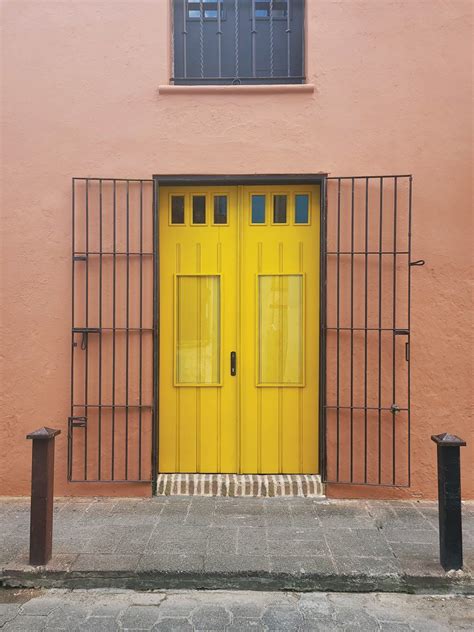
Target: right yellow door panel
(246, 282)
(280, 329)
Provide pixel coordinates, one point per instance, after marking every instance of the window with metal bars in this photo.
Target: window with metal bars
(238, 42)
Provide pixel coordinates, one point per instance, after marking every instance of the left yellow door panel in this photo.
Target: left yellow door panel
(198, 403)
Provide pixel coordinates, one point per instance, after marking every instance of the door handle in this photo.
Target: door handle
(233, 363)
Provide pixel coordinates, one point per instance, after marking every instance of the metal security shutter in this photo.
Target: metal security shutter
(111, 424)
(366, 330)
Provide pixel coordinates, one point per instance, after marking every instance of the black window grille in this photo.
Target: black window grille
(238, 42)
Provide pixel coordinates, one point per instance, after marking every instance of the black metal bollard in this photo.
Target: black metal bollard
(449, 500)
(42, 482)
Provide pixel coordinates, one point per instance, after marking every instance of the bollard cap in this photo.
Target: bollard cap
(43, 433)
(446, 440)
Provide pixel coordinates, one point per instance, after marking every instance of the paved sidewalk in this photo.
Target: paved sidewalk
(179, 542)
(237, 611)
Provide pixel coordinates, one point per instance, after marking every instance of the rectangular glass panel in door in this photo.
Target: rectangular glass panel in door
(280, 329)
(197, 330)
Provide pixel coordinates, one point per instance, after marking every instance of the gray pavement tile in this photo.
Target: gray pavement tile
(283, 534)
(210, 618)
(245, 625)
(200, 514)
(298, 548)
(244, 608)
(40, 606)
(239, 520)
(179, 563)
(355, 618)
(173, 625)
(68, 617)
(72, 544)
(177, 541)
(179, 605)
(252, 541)
(412, 536)
(358, 542)
(367, 566)
(314, 602)
(415, 549)
(139, 617)
(222, 540)
(294, 565)
(8, 611)
(25, 624)
(135, 540)
(99, 624)
(112, 562)
(222, 563)
(282, 618)
(237, 505)
(421, 566)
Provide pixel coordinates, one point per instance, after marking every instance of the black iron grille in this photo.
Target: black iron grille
(111, 424)
(238, 41)
(366, 330)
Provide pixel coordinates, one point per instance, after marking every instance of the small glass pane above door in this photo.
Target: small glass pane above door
(220, 209)
(301, 208)
(279, 209)
(258, 209)
(199, 209)
(177, 209)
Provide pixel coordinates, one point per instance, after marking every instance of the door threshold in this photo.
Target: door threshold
(241, 485)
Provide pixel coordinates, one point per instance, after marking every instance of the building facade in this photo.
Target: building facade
(262, 264)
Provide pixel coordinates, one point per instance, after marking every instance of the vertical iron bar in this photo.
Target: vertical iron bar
(352, 333)
(127, 324)
(201, 36)
(288, 38)
(323, 321)
(173, 42)
(366, 321)
(185, 41)
(409, 328)
(156, 297)
(338, 287)
(380, 334)
(140, 338)
(236, 35)
(254, 43)
(219, 37)
(114, 322)
(100, 335)
(394, 318)
(73, 301)
(86, 372)
(271, 38)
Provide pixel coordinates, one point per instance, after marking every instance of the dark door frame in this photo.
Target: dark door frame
(235, 180)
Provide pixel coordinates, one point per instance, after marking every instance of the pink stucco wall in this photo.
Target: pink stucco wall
(80, 98)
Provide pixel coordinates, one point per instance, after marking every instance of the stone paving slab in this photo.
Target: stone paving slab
(238, 611)
(246, 543)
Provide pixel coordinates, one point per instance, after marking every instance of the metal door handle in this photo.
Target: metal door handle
(233, 363)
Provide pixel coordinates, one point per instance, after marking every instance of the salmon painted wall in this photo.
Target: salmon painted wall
(392, 90)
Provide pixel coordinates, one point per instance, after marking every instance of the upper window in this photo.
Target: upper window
(238, 41)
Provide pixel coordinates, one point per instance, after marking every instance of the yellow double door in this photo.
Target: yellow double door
(239, 329)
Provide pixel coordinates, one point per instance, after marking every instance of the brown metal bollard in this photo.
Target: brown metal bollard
(42, 481)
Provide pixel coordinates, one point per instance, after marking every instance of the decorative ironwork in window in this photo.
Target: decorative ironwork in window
(238, 41)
